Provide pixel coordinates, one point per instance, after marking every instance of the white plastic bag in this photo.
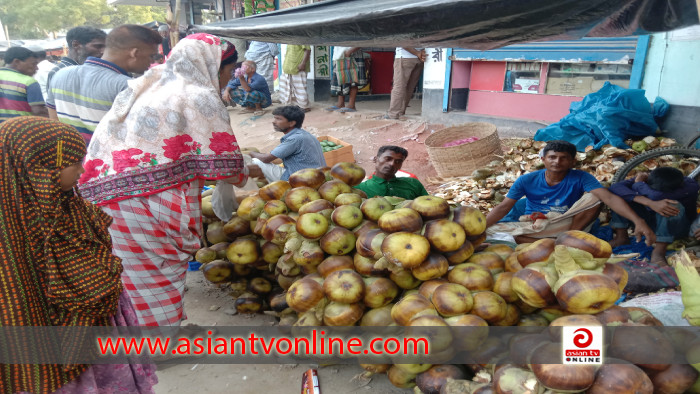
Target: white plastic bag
(223, 201)
(667, 307)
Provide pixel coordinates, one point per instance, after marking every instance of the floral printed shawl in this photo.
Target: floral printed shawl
(168, 128)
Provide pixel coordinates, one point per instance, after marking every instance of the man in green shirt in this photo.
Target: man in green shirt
(384, 182)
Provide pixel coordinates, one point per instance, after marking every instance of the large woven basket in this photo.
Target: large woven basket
(462, 160)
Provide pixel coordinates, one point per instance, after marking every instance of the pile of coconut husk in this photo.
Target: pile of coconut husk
(486, 187)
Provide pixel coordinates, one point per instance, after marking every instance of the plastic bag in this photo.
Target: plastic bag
(223, 201)
(609, 116)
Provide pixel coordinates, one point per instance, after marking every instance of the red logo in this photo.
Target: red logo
(582, 353)
(584, 339)
(582, 345)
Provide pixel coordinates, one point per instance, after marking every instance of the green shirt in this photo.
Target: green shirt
(405, 187)
(293, 57)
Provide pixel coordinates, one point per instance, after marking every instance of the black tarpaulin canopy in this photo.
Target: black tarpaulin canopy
(477, 24)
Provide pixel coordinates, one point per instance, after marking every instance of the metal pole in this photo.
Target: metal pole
(7, 36)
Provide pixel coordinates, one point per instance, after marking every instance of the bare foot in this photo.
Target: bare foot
(658, 255)
(660, 261)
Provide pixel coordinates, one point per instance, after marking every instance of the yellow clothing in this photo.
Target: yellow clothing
(294, 57)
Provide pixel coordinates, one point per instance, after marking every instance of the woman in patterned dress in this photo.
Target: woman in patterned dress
(146, 164)
(56, 262)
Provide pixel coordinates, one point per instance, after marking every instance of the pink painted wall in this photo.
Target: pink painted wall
(488, 76)
(544, 107)
(461, 74)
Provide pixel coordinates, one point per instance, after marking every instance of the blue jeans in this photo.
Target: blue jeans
(694, 226)
(666, 228)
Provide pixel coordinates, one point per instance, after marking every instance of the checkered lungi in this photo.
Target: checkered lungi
(337, 89)
(156, 236)
(249, 99)
(292, 90)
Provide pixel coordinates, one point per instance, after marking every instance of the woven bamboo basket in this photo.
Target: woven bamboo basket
(462, 160)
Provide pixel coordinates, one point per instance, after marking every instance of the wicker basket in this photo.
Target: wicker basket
(462, 160)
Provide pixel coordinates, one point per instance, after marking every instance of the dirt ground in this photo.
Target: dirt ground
(207, 305)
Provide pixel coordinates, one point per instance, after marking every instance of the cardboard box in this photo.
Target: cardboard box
(597, 84)
(580, 86)
(338, 155)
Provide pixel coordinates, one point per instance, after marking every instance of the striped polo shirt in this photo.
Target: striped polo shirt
(18, 92)
(82, 95)
(63, 63)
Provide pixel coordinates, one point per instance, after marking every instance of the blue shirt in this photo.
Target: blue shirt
(298, 150)
(558, 198)
(258, 50)
(257, 82)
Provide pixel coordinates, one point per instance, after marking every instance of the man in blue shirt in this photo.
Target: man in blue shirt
(665, 199)
(298, 149)
(250, 91)
(556, 189)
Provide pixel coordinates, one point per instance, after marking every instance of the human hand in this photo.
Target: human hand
(641, 177)
(696, 234)
(226, 96)
(301, 66)
(254, 171)
(423, 56)
(241, 71)
(665, 207)
(642, 229)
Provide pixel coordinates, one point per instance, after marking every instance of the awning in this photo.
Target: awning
(152, 3)
(477, 24)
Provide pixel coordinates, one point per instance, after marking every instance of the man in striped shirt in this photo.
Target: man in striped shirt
(80, 96)
(20, 93)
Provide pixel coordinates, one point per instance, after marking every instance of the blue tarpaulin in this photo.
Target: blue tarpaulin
(609, 116)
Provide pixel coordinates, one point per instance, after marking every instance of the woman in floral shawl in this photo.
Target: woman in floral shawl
(56, 262)
(145, 167)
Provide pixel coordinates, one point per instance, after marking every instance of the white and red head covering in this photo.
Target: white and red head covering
(169, 127)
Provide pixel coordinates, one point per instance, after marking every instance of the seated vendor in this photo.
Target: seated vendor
(557, 188)
(665, 199)
(384, 182)
(298, 149)
(250, 90)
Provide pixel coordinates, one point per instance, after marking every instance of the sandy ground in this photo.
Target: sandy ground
(366, 133)
(250, 379)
